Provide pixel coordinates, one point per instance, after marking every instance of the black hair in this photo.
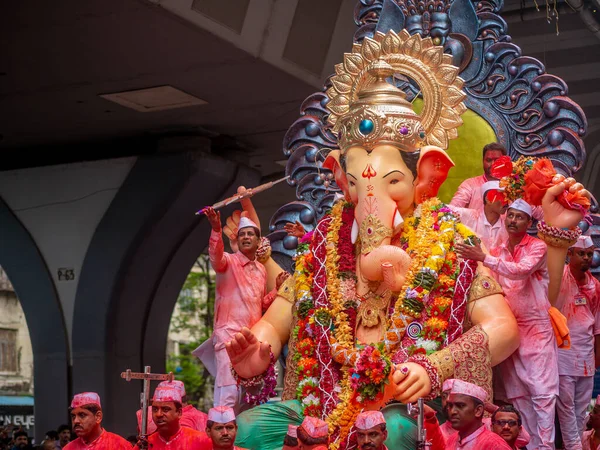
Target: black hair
(305, 438)
(20, 433)
(52, 434)
(290, 441)
(63, 427)
(494, 146)
(508, 409)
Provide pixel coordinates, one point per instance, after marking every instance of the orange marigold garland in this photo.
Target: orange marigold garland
(425, 300)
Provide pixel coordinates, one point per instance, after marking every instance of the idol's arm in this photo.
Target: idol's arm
(249, 349)
(496, 319)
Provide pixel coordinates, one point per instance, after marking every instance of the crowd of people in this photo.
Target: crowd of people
(549, 376)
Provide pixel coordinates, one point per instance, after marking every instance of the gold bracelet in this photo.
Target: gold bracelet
(444, 363)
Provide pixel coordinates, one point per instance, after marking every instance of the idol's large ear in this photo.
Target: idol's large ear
(332, 162)
(432, 170)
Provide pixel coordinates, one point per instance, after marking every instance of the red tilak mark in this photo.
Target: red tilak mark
(369, 172)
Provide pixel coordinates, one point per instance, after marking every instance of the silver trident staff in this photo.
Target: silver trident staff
(422, 443)
(237, 197)
(146, 376)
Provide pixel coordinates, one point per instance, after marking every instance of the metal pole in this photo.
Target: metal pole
(145, 403)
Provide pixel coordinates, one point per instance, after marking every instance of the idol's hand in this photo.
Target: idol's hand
(556, 214)
(410, 382)
(294, 229)
(248, 356)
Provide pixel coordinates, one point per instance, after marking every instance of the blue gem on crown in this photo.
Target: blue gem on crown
(366, 126)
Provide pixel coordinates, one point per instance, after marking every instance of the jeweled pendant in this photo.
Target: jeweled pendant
(366, 126)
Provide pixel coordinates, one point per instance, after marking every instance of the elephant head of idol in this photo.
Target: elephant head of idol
(390, 158)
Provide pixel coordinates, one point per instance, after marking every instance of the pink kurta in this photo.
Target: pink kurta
(106, 441)
(475, 219)
(240, 292)
(524, 279)
(482, 439)
(468, 194)
(185, 438)
(580, 304)
(190, 417)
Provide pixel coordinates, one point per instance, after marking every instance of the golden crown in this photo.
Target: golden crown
(366, 110)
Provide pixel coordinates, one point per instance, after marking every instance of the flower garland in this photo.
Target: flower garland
(426, 299)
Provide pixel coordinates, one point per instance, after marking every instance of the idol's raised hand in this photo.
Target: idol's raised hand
(555, 214)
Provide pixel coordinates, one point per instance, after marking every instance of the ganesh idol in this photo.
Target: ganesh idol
(380, 309)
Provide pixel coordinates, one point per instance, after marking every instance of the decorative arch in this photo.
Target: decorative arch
(29, 275)
(529, 109)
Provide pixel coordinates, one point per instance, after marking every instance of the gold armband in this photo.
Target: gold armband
(483, 286)
(467, 358)
(288, 290)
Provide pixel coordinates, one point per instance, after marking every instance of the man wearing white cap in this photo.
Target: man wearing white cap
(241, 289)
(487, 222)
(312, 433)
(466, 404)
(166, 414)
(530, 375)
(433, 428)
(190, 416)
(86, 420)
(371, 430)
(290, 441)
(222, 428)
(579, 301)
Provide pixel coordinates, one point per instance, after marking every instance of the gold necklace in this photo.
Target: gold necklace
(372, 309)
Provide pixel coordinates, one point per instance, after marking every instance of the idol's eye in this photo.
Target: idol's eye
(352, 183)
(394, 181)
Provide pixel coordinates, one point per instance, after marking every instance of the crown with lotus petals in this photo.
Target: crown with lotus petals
(366, 110)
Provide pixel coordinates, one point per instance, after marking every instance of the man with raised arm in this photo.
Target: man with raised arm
(241, 288)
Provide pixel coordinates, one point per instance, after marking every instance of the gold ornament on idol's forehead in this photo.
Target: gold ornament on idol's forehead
(366, 110)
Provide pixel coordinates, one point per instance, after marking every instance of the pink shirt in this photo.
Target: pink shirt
(468, 194)
(580, 304)
(482, 439)
(240, 289)
(475, 219)
(106, 441)
(524, 279)
(185, 438)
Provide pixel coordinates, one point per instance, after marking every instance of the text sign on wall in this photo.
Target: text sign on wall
(66, 274)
